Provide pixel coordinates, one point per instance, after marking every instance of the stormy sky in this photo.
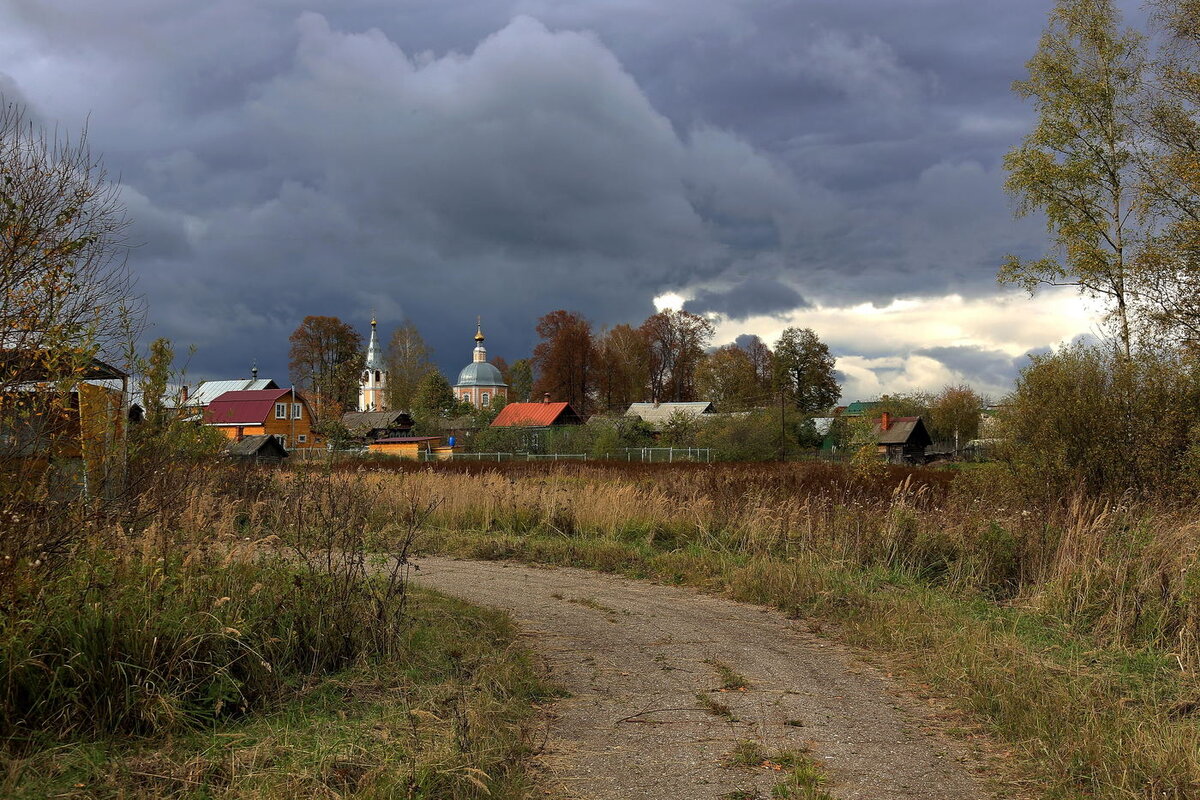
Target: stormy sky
(822, 163)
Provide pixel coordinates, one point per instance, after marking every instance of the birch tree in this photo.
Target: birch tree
(1078, 166)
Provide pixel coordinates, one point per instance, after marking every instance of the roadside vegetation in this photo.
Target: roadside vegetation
(236, 639)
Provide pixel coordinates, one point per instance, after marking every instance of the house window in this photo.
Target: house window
(485, 400)
(281, 410)
(302, 438)
(296, 407)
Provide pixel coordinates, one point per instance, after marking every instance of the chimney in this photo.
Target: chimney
(885, 421)
(241, 434)
(254, 371)
(183, 395)
(546, 398)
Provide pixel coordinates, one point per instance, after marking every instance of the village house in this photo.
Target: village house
(80, 430)
(535, 420)
(901, 440)
(277, 412)
(657, 415)
(259, 449)
(370, 426)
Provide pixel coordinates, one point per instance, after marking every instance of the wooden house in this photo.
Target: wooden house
(536, 415)
(276, 412)
(902, 440)
(78, 428)
(535, 421)
(370, 426)
(262, 448)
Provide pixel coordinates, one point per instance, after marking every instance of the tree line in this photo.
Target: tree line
(665, 359)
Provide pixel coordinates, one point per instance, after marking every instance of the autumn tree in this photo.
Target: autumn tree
(64, 286)
(677, 341)
(408, 361)
(65, 299)
(505, 370)
(762, 360)
(623, 367)
(565, 358)
(520, 380)
(434, 396)
(727, 378)
(955, 415)
(326, 357)
(804, 371)
(1169, 274)
(1078, 165)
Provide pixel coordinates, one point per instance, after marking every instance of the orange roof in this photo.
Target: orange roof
(533, 415)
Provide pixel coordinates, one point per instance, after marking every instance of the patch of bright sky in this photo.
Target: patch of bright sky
(879, 348)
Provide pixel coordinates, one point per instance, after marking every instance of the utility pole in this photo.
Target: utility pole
(782, 426)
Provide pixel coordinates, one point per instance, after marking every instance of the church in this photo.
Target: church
(372, 389)
(480, 383)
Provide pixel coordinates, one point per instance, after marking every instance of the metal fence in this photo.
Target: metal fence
(667, 455)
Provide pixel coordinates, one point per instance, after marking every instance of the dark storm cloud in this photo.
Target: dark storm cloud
(977, 364)
(750, 297)
(510, 157)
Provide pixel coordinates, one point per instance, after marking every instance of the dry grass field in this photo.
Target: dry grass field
(1069, 632)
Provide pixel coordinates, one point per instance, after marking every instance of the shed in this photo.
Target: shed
(259, 448)
(404, 446)
(902, 440)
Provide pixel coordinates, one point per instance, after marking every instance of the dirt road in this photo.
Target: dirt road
(635, 657)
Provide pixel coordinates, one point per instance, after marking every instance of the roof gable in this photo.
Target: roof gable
(244, 408)
(903, 430)
(207, 391)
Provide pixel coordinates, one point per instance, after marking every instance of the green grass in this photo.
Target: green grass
(730, 679)
(453, 717)
(1075, 717)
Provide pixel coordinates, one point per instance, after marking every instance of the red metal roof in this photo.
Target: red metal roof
(244, 408)
(531, 415)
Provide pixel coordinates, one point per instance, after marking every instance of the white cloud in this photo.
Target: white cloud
(880, 345)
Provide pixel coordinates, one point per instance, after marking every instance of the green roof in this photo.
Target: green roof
(860, 408)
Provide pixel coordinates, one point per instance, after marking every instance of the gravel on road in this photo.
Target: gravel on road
(639, 658)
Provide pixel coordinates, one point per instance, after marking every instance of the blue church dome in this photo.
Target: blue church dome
(480, 373)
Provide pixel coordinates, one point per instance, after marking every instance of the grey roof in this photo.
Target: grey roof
(261, 445)
(207, 391)
(479, 373)
(170, 397)
(360, 423)
(658, 414)
(902, 430)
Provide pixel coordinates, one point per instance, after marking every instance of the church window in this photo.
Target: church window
(378, 376)
(485, 400)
